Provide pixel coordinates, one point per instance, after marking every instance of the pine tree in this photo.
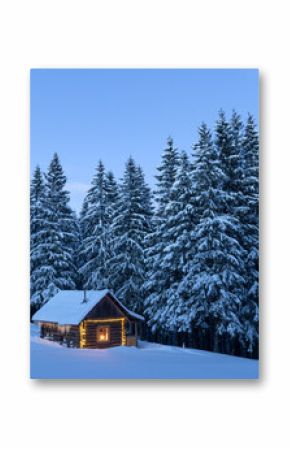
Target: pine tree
(178, 231)
(112, 196)
(235, 165)
(75, 242)
(167, 175)
(217, 273)
(54, 253)
(96, 221)
(37, 195)
(84, 225)
(84, 233)
(112, 201)
(228, 159)
(250, 222)
(158, 281)
(146, 199)
(130, 226)
(93, 224)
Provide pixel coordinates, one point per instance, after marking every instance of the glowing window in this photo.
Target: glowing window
(103, 334)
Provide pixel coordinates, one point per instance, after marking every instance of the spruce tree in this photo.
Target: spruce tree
(224, 147)
(37, 196)
(166, 176)
(130, 226)
(84, 233)
(250, 222)
(178, 231)
(158, 281)
(93, 222)
(112, 196)
(54, 253)
(146, 199)
(83, 217)
(217, 274)
(112, 201)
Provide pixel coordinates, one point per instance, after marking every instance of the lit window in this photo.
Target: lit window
(103, 334)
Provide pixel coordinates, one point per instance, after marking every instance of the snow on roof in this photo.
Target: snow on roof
(129, 312)
(67, 306)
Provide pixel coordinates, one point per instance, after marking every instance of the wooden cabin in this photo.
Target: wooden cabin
(88, 319)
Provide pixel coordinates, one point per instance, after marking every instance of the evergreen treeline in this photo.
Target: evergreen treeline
(185, 256)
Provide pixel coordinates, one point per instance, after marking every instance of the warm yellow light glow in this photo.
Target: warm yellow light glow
(123, 333)
(103, 333)
(82, 335)
(102, 337)
(104, 320)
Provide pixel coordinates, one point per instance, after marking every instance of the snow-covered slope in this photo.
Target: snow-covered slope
(150, 361)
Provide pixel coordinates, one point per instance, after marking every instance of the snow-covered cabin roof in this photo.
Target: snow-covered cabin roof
(68, 307)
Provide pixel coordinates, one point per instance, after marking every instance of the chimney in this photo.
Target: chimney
(85, 296)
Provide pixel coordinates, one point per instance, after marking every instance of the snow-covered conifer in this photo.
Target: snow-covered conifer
(158, 280)
(130, 227)
(93, 252)
(250, 222)
(217, 272)
(179, 232)
(37, 193)
(112, 196)
(166, 175)
(54, 253)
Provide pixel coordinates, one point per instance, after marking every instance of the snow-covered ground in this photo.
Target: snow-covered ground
(150, 361)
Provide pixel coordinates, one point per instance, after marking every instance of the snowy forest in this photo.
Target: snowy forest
(184, 255)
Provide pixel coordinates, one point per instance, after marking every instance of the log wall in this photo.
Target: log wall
(90, 328)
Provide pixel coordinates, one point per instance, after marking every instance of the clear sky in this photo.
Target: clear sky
(110, 114)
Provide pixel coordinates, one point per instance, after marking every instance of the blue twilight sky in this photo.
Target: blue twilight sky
(110, 114)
